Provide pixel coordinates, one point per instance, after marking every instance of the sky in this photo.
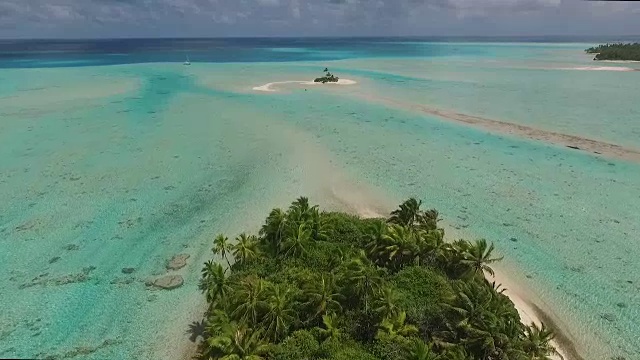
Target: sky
(226, 18)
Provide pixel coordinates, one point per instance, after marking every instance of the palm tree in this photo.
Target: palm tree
(323, 297)
(473, 320)
(363, 279)
(538, 341)
(319, 227)
(407, 214)
(420, 351)
(222, 247)
(394, 326)
(230, 341)
(375, 235)
(428, 220)
(245, 344)
(250, 301)
(471, 305)
(245, 248)
(273, 229)
(498, 288)
(450, 257)
(217, 323)
(337, 259)
(299, 211)
(297, 240)
(431, 246)
(214, 283)
(219, 330)
(478, 256)
(301, 203)
(330, 330)
(455, 353)
(209, 269)
(399, 247)
(281, 315)
(386, 302)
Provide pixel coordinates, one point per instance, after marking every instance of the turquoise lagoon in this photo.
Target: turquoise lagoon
(126, 164)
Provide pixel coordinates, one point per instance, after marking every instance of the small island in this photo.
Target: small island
(328, 77)
(618, 51)
(333, 286)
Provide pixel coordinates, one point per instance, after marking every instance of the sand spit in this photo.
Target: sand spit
(620, 61)
(598, 68)
(269, 87)
(596, 147)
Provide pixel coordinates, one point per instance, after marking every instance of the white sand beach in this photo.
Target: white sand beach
(599, 68)
(269, 87)
(529, 305)
(526, 304)
(621, 61)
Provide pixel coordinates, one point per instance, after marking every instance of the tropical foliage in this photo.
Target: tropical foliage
(328, 77)
(618, 51)
(321, 285)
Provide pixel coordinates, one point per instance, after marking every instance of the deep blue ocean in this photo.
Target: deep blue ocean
(73, 53)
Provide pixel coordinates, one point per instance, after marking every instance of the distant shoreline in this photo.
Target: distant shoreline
(615, 51)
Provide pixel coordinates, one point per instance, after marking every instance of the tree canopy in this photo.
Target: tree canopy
(327, 285)
(328, 77)
(617, 51)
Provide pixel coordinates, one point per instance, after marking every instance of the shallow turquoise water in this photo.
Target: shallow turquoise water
(124, 166)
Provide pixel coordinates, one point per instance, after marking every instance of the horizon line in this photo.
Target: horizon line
(317, 37)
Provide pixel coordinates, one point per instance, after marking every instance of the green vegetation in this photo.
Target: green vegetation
(326, 285)
(328, 77)
(617, 51)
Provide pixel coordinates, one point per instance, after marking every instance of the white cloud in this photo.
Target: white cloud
(61, 12)
(347, 17)
(295, 9)
(269, 2)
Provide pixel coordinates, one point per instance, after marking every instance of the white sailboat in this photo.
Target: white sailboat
(187, 62)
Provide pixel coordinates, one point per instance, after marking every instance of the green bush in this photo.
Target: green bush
(422, 291)
(299, 345)
(344, 349)
(391, 349)
(345, 228)
(360, 325)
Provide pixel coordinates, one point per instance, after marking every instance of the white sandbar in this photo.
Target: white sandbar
(269, 87)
